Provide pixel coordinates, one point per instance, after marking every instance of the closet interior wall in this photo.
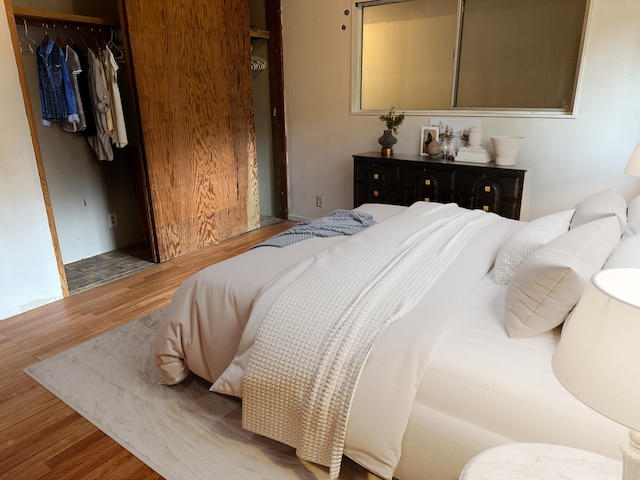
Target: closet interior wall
(85, 192)
(262, 110)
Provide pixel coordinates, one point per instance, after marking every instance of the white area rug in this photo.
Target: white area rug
(182, 432)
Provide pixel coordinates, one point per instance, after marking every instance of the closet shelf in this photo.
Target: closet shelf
(47, 16)
(258, 33)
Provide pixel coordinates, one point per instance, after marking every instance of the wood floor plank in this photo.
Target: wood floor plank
(35, 396)
(96, 456)
(40, 436)
(13, 358)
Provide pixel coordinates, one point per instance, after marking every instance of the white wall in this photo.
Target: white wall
(573, 157)
(28, 272)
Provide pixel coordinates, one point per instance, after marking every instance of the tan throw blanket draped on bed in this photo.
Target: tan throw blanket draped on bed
(314, 340)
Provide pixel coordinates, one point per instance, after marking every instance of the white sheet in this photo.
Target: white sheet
(483, 389)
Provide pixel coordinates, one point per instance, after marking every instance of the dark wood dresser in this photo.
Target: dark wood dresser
(405, 179)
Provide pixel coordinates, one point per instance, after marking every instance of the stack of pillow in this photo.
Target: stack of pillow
(549, 261)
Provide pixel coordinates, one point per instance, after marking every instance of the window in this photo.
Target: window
(491, 56)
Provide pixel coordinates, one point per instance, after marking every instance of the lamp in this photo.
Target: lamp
(633, 165)
(598, 357)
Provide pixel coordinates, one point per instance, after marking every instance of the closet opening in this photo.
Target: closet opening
(91, 159)
(265, 18)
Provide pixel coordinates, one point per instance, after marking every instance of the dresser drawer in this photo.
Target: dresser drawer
(481, 183)
(377, 172)
(428, 183)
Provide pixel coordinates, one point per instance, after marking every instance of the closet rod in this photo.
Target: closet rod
(31, 14)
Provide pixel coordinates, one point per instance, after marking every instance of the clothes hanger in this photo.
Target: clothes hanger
(83, 43)
(58, 41)
(257, 63)
(27, 44)
(118, 54)
(64, 30)
(45, 39)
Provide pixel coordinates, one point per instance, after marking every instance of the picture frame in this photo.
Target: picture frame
(424, 137)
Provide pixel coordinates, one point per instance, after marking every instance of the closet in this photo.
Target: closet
(189, 176)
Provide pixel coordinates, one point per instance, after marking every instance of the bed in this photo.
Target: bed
(421, 397)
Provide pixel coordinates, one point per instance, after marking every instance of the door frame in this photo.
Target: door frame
(36, 147)
(273, 10)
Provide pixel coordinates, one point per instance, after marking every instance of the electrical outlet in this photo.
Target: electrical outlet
(319, 201)
(112, 219)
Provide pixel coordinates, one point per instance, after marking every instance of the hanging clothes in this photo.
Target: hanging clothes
(85, 94)
(109, 112)
(75, 69)
(119, 137)
(100, 143)
(56, 92)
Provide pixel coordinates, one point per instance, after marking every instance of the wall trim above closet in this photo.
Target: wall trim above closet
(31, 14)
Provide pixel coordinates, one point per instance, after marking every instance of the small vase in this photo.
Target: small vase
(433, 149)
(387, 140)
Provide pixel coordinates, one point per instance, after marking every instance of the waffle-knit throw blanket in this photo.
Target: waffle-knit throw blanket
(337, 222)
(313, 342)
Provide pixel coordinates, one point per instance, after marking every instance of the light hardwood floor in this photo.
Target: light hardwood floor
(40, 436)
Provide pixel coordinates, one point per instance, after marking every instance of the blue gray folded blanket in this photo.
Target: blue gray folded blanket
(338, 222)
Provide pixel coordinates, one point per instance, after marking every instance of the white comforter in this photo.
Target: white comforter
(456, 265)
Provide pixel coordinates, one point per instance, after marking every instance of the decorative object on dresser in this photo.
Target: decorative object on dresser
(474, 151)
(506, 149)
(430, 142)
(392, 122)
(473, 155)
(406, 179)
(598, 357)
(474, 138)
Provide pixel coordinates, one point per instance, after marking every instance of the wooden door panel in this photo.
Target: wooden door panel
(193, 80)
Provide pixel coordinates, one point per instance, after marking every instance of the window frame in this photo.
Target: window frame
(356, 74)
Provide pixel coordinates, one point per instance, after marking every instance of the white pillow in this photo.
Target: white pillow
(601, 205)
(626, 254)
(633, 217)
(527, 240)
(549, 283)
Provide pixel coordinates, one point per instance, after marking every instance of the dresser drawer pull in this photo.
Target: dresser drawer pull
(375, 176)
(427, 182)
(426, 199)
(485, 208)
(375, 193)
(487, 188)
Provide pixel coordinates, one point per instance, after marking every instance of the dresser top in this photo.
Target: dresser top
(442, 161)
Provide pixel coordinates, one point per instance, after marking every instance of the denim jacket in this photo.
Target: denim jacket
(56, 92)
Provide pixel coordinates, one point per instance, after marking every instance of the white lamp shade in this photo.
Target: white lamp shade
(633, 165)
(598, 357)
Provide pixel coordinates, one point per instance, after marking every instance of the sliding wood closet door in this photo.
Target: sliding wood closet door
(191, 66)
